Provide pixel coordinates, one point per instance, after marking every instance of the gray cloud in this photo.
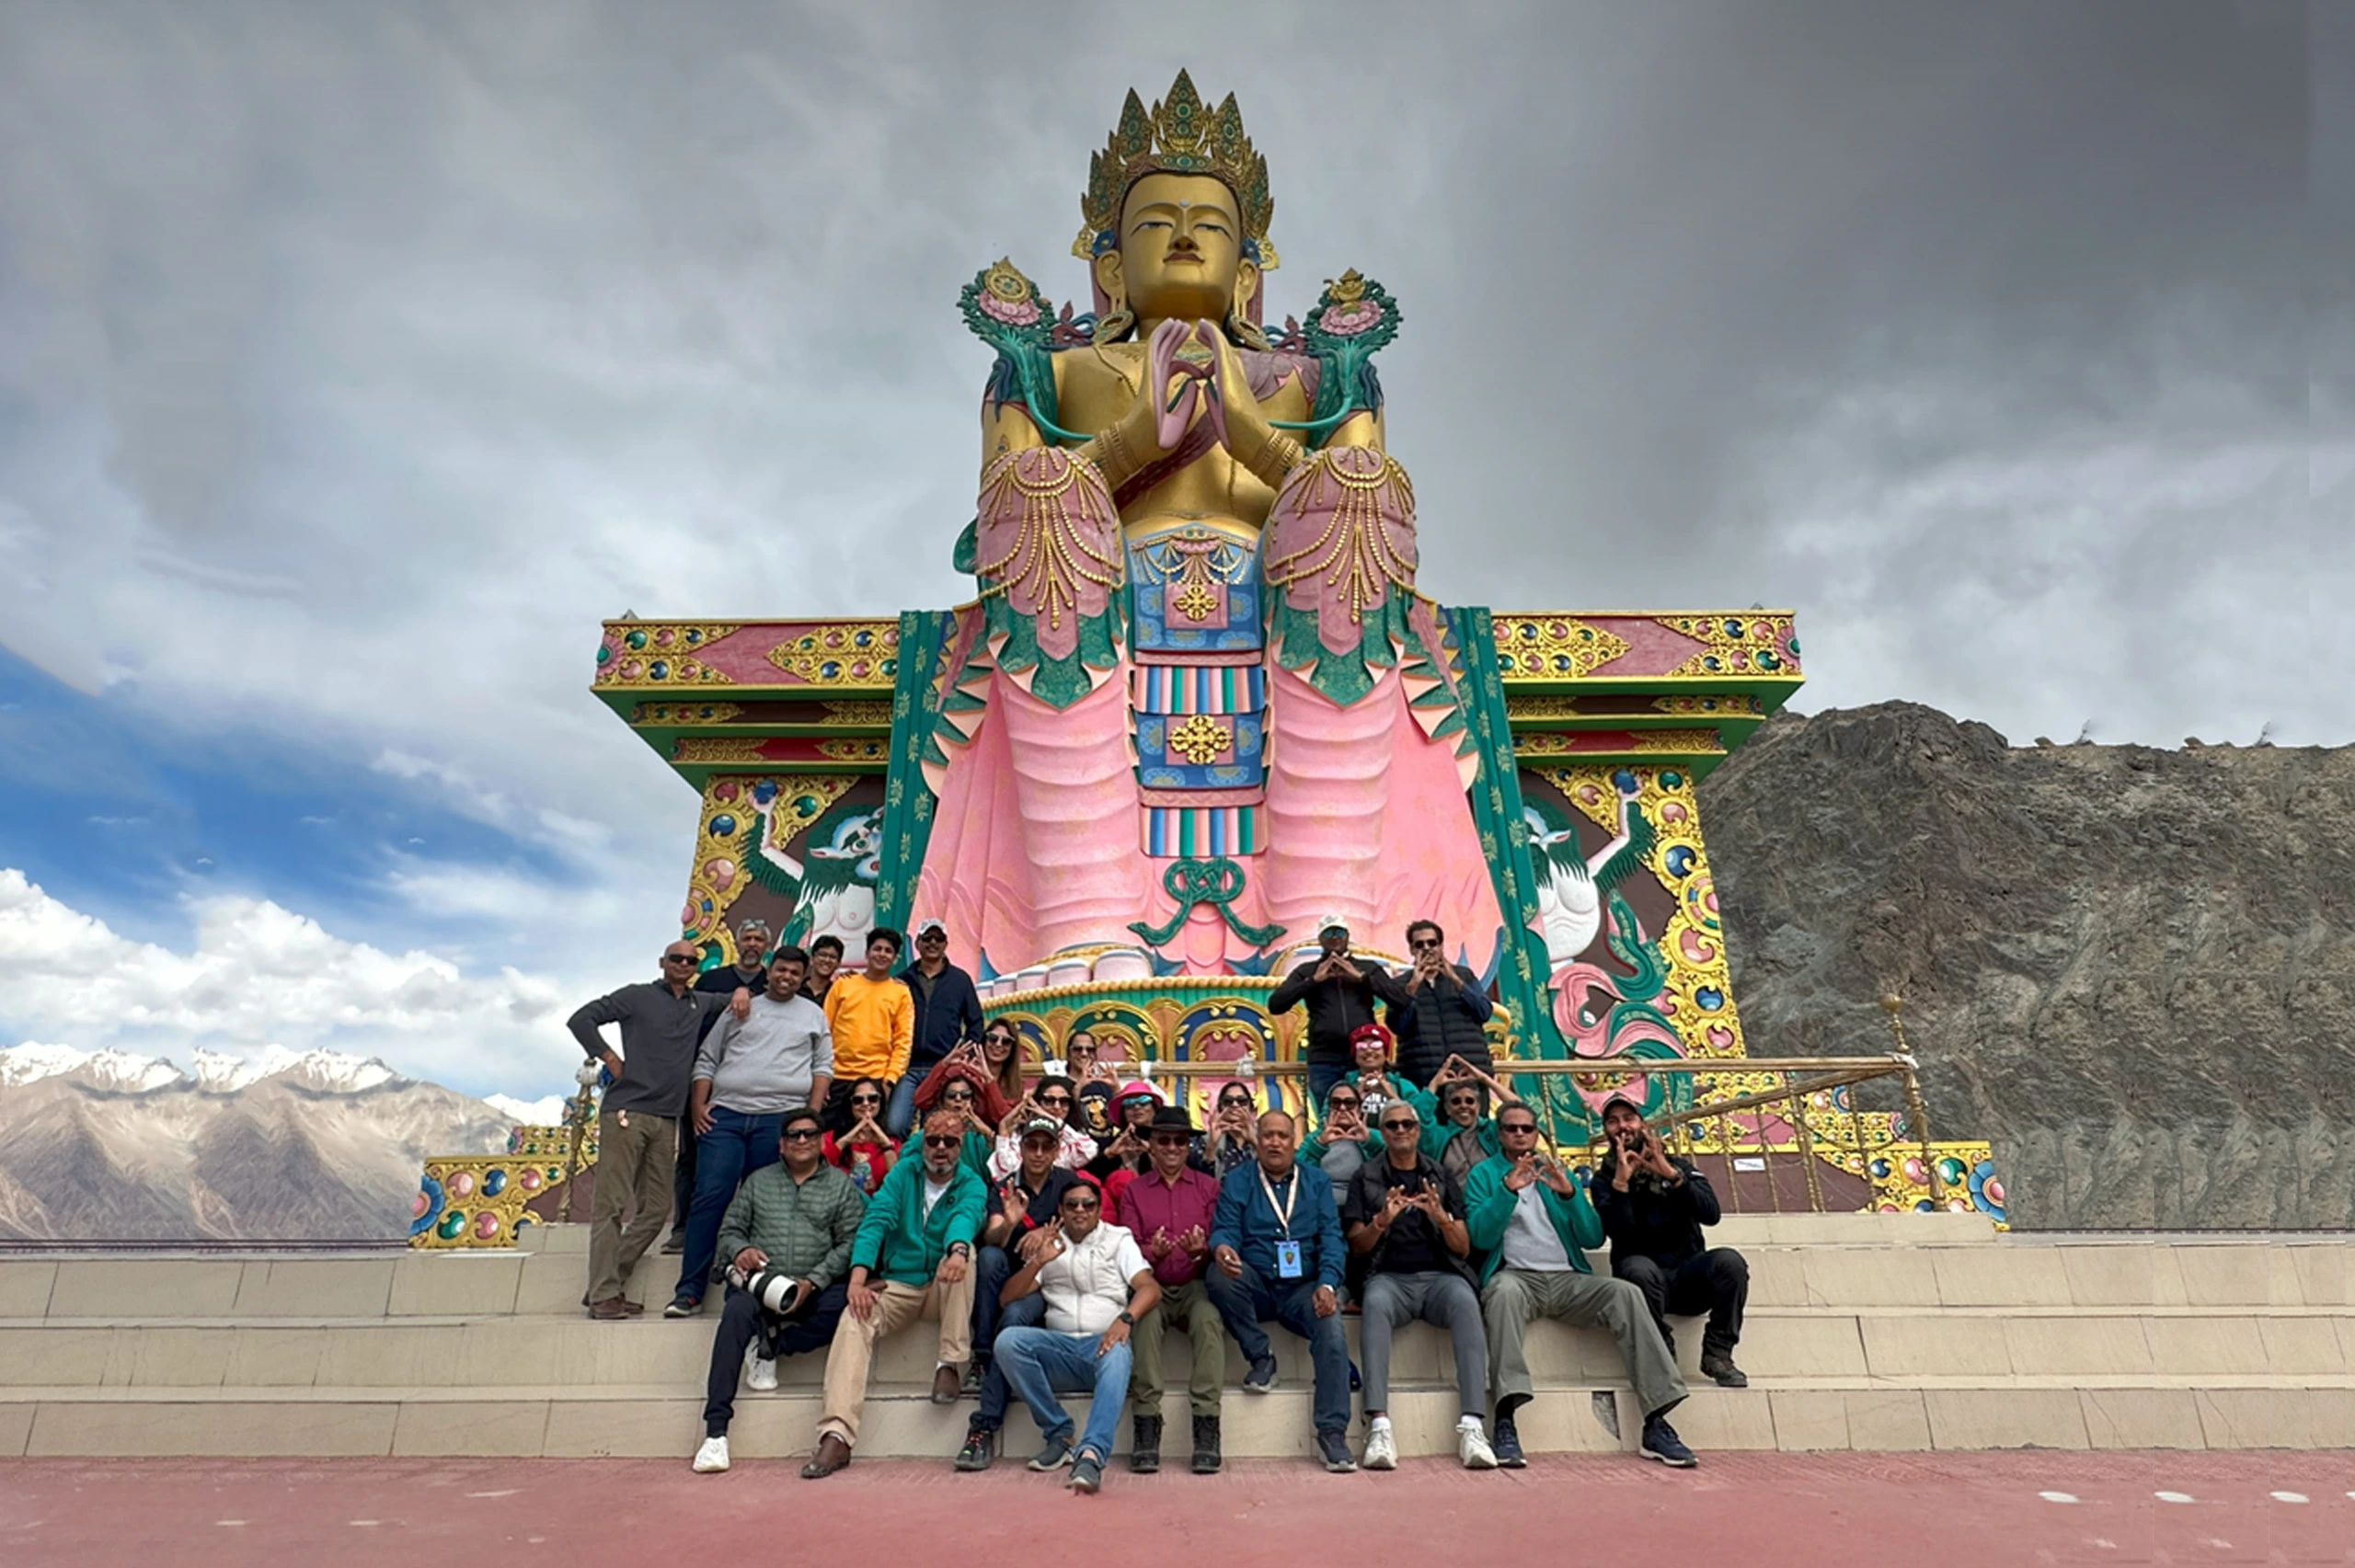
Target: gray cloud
(354, 360)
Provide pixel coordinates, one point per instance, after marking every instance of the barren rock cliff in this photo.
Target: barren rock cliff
(2132, 969)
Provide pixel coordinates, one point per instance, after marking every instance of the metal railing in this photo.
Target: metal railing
(1701, 1127)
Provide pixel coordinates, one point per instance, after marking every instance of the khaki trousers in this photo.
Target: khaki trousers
(633, 1172)
(896, 1306)
(1186, 1306)
(1514, 1296)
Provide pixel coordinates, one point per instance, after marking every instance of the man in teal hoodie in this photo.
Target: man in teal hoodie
(1531, 1223)
(913, 1257)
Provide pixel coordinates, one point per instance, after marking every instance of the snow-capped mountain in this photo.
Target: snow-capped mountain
(110, 1144)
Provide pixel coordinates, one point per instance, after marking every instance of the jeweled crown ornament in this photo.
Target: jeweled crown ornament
(1178, 137)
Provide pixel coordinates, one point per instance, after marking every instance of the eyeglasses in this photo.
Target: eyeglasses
(1340, 1102)
(801, 1135)
(867, 1099)
(941, 1140)
(678, 957)
(1054, 1099)
(997, 1039)
(1525, 1130)
(1399, 1124)
(1425, 946)
(955, 1093)
(1080, 1206)
(1235, 1103)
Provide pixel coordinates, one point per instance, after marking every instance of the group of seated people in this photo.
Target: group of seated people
(1053, 1230)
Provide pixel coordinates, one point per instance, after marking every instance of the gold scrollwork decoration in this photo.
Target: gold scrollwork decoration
(1552, 647)
(847, 653)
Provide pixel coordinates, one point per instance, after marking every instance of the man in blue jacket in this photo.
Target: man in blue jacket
(948, 1013)
(1531, 1224)
(1276, 1238)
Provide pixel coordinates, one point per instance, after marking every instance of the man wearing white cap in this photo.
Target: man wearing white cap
(1341, 993)
(948, 1013)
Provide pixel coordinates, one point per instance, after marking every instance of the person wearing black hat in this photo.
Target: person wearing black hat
(1168, 1209)
(1653, 1205)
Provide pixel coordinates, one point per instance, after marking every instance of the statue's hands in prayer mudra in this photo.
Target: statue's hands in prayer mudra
(1199, 702)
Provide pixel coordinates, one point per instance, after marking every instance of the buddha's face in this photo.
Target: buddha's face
(1181, 250)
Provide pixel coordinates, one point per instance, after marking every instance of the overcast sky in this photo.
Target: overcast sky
(356, 360)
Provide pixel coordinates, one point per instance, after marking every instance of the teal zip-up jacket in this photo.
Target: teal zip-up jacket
(1488, 1211)
(1312, 1153)
(896, 1242)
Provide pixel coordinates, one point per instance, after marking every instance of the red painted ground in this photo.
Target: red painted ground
(1740, 1510)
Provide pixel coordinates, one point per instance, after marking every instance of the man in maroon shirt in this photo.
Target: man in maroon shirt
(1168, 1209)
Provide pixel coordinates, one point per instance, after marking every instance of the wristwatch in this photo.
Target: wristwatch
(959, 1249)
(1128, 1317)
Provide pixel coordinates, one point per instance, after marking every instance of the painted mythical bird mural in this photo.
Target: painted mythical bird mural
(833, 891)
(1570, 886)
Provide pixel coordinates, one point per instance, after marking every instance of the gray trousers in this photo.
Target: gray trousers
(1514, 1296)
(1441, 1299)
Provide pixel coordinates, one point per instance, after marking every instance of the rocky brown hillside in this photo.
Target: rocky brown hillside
(2133, 969)
(130, 1147)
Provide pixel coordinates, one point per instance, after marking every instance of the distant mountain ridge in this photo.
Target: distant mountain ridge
(107, 1144)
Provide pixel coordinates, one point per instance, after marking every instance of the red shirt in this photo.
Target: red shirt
(1149, 1204)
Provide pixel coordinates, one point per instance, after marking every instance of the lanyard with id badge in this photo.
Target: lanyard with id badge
(1287, 1249)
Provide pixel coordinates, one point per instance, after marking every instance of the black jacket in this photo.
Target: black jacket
(1369, 1188)
(1336, 1006)
(1649, 1220)
(951, 1017)
(1440, 1022)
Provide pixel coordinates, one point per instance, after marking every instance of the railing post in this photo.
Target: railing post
(1920, 1116)
(1807, 1149)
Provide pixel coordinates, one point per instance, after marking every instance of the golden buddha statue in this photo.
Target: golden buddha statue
(1198, 704)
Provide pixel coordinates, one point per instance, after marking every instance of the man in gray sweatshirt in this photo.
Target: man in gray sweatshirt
(637, 1126)
(748, 1073)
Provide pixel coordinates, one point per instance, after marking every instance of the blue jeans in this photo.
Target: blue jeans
(899, 1111)
(1040, 1364)
(1028, 1312)
(736, 1146)
(1248, 1301)
(1322, 1076)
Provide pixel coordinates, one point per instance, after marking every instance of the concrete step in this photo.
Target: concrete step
(525, 1420)
(1875, 1342)
(547, 1276)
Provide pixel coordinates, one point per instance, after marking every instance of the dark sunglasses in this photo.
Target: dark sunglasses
(1422, 946)
(867, 1099)
(1344, 1102)
(1080, 1204)
(678, 957)
(1235, 1103)
(941, 1140)
(997, 1039)
(1054, 1099)
(955, 1093)
(1399, 1124)
(1509, 1128)
(801, 1135)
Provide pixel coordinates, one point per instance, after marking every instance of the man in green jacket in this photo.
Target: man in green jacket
(913, 1257)
(1531, 1223)
(793, 1222)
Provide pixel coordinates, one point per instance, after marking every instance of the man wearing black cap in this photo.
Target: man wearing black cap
(1653, 1205)
(949, 1012)
(1341, 992)
(1169, 1208)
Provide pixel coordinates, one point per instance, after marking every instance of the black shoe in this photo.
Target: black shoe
(1145, 1457)
(683, 1307)
(1333, 1448)
(1718, 1365)
(1661, 1442)
(977, 1372)
(1262, 1376)
(1206, 1454)
(980, 1446)
(1508, 1445)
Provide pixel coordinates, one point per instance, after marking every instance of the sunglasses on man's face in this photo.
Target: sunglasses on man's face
(801, 1135)
(678, 957)
(1425, 946)
(1399, 1124)
(1518, 1130)
(941, 1140)
(1079, 1206)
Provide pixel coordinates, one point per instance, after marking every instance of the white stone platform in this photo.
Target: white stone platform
(1866, 1331)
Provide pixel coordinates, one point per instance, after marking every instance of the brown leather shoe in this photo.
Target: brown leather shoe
(611, 1309)
(629, 1307)
(831, 1455)
(948, 1383)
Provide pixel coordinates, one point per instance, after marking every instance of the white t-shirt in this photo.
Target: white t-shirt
(1530, 1241)
(1088, 1285)
(932, 1193)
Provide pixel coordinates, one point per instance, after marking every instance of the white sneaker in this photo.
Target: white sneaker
(712, 1458)
(761, 1378)
(1381, 1448)
(1471, 1446)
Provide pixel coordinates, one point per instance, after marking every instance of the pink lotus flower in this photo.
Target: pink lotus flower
(1014, 313)
(1359, 317)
